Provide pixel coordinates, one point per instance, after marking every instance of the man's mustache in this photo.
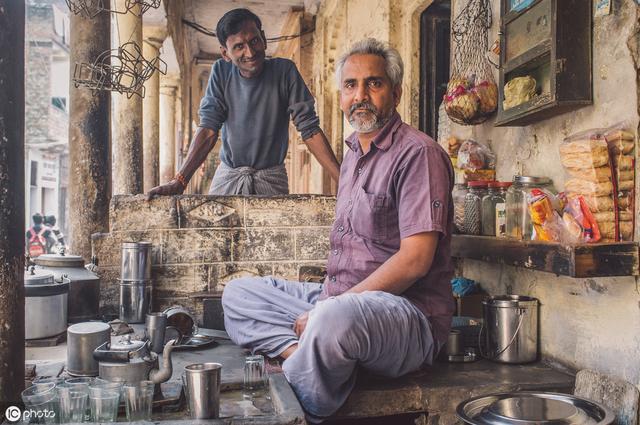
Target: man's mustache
(363, 105)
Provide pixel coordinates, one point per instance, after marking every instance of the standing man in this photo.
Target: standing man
(386, 304)
(251, 99)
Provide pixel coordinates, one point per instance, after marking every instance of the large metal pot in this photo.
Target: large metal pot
(82, 340)
(45, 304)
(84, 287)
(510, 328)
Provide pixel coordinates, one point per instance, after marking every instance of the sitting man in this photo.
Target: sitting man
(386, 303)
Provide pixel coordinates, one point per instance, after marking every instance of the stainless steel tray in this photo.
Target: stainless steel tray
(531, 407)
(194, 342)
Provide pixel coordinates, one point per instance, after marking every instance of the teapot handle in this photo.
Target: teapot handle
(104, 354)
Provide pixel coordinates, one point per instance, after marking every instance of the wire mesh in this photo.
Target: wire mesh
(91, 8)
(123, 70)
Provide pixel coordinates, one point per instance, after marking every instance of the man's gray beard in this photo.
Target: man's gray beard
(368, 125)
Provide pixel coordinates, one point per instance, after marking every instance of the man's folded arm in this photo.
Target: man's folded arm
(412, 261)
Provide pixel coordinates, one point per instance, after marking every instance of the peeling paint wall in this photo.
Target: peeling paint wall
(584, 323)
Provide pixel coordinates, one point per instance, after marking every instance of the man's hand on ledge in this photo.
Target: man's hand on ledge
(174, 187)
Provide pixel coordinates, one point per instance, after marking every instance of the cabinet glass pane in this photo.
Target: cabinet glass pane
(528, 30)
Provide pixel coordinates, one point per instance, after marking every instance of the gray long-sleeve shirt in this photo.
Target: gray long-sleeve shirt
(254, 112)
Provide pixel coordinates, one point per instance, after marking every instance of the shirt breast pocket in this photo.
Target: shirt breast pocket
(371, 215)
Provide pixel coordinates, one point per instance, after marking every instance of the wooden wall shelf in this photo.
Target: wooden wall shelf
(595, 260)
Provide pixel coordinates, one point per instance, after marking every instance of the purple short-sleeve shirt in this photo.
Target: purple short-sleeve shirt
(401, 187)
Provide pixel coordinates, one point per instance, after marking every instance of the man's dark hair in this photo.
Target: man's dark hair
(50, 220)
(231, 22)
(37, 218)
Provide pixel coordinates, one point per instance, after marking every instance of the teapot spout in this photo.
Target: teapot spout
(158, 376)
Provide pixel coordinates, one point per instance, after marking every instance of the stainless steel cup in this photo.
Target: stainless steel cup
(155, 326)
(454, 342)
(203, 390)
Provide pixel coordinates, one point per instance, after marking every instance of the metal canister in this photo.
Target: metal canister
(135, 300)
(84, 286)
(136, 261)
(82, 340)
(45, 304)
(511, 328)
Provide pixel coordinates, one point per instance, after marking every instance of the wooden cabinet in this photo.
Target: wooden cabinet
(550, 41)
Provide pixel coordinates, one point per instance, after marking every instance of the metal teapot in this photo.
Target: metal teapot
(133, 361)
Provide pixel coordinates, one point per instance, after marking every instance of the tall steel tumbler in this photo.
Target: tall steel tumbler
(202, 385)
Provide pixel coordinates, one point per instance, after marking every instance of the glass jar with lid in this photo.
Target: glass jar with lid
(494, 210)
(518, 219)
(473, 207)
(459, 192)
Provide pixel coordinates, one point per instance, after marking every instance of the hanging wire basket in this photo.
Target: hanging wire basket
(123, 70)
(91, 8)
(472, 94)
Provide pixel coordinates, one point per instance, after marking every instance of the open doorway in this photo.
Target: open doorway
(435, 39)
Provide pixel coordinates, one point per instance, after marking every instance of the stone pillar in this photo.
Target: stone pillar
(153, 39)
(12, 238)
(89, 153)
(127, 128)
(167, 132)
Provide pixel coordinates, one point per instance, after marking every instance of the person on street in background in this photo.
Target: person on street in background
(50, 221)
(250, 99)
(39, 238)
(386, 303)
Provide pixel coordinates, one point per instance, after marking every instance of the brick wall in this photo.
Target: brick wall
(39, 49)
(201, 242)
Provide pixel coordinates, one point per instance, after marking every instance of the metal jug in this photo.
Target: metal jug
(133, 361)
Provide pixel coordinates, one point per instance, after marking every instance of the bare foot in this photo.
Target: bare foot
(289, 351)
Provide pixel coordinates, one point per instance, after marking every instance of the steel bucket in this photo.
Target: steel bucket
(510, 329)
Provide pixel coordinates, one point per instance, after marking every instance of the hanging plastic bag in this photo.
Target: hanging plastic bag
(472, 94)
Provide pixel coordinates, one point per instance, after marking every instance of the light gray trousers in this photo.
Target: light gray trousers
(381, 332)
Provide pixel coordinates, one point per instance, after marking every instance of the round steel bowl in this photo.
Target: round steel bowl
(533, 407)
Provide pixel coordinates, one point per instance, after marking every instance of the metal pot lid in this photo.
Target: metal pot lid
(88, 328)
(510, 301)
(59, 260)
(531, 180)
(127, 344)
(38, 278)
(525, 407)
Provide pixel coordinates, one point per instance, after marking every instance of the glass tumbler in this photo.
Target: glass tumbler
(73, 402)
(104, 401)
(138, 400)
(43, 403)
(255, 374)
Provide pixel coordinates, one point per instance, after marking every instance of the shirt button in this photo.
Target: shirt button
(360, 170)
(340, 229)
(332, 278)
(335, 252)
(350, 201)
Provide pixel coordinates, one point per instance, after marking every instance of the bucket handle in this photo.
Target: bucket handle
(521, 312)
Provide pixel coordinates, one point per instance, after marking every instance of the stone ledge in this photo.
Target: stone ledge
(439, 389)
(135, 212)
